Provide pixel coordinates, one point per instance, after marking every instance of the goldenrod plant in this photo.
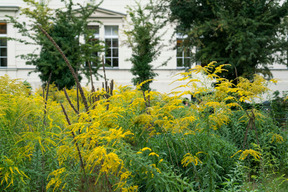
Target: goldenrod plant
(124, 139)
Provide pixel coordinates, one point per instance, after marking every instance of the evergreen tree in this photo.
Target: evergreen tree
(248, 34)
(145, 40)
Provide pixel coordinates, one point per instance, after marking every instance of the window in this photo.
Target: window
(3, 45)
(112, 45)
(183, 53)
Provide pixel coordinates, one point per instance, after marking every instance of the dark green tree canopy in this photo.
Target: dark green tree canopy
(50, 61)
(244, 33)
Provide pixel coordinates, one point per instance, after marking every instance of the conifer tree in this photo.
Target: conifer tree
(145, 40)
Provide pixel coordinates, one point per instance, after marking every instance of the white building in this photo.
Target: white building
(112, 15)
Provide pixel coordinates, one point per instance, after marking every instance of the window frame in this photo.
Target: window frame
(4, 36)
(111, 49)
(184, 51)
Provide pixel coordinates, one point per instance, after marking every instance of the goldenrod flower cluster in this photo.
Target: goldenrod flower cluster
(102, 142)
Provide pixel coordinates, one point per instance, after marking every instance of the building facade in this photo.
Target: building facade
(112, 15)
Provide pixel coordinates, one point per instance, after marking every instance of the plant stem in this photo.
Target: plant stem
(69, 101)
(69, 66)
(77, 146)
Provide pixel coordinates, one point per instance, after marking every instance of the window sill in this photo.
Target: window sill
(109, 68)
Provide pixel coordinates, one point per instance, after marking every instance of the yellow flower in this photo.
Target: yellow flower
(146, 148)
(153, 153)
(188, 158)
(158, 170)
(274, 81)
(130, 189)
(247, 152)
(277, 138)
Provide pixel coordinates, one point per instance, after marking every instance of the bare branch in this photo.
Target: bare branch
(69, 66)
(69, 101)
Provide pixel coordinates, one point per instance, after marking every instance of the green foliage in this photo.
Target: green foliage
(246, 34)
(173, 148)
(122, 144)
(145, 40)
(65, 26)
(279, 109)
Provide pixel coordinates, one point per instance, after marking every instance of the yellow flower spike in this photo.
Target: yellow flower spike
(219, 69)
(125, 175)
(190, 133)
(146, 148)
(158, 170)
(236, 153)
(56, 180)
(130, 189)
(153, 154)
(141, 84)
(230, 98)
(188, 159)
(116, 135)
(247, 152)
(212, 104)
(11, 170)
(277, 138)
(111, 163)
(274, 81)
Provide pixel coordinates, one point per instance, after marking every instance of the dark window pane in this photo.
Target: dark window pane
(179, 42)
(94, 29)
(3, 62)
(179, 62)
(115, 62)
(179, 52)
(3, 42)
(3, 28)
(3, 52)
(108, 61)
(115, 52)
(95, 54)
(94, 41)
(108, 42)
(93, 62)
(108, 53)
(186, 52)
(115, 43)
(186, 62)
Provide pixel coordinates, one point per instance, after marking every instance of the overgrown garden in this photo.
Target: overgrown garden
(133, 138)
(124, 140)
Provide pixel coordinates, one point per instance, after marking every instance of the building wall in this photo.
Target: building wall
(18, 69)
